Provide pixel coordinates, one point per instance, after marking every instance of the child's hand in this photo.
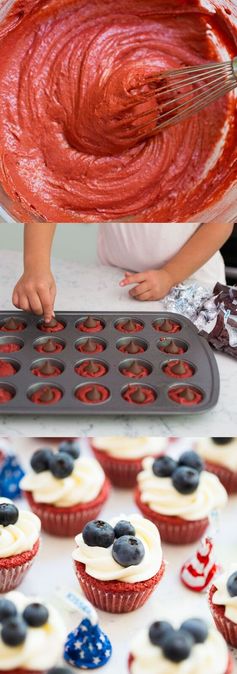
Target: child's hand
(151, 285)
(35, 291)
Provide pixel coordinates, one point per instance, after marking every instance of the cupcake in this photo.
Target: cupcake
(19, 543)
(220, 456)
(31, 635)
(178, 496)
(121, 457)
(64, 490)
(193, 647)
(119, 563)
(223, 604)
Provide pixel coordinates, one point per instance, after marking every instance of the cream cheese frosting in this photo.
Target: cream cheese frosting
(101, 565)
(129, 448)
(43, 645)
(162, 497)
(222, 596)
(223, 455)
(83, 485)
(210, 657)
(19, 537)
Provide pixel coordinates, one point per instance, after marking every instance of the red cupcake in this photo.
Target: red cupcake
(65, 490)
(121, 457)
(19, 543)
(220, 457)
(223, 604)
(127, 564)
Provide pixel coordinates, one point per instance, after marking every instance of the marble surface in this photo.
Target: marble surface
(95, 288)
(171, 600)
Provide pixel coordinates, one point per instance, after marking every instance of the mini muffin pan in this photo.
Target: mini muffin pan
(73, 376)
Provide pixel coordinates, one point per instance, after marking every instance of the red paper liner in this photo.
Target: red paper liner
(6, 369)
(174, 530)
(99, 348)
(5, 395)
(23, 671)
(123, 348)
(97, 328)
(228, 671)
(13, 569)
(137, 328)
(21, 326)
(37, 373)
(115, 596)
(121, 472)
(150, 395)
(82, 393)
(127, 373)
(174, 394)
(227, 627)
(82, 371)
(46, 328)
(175, 328)
(70, 521)
(35, 397)
(226, 476)
(58, 349)
(168, 369)
(9, 348)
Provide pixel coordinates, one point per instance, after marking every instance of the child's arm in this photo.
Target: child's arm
(36, 290)
(155, 284)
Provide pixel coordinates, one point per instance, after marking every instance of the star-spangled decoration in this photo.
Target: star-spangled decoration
(11, 474)
(87, 647)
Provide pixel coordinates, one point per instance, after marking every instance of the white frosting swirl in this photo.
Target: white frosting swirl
(162, 497)
(222, 596)
(43, 645)
(83, 485)
(211, 657)
(100, 564)
(19, 537)
(222, 455)
(129, 448)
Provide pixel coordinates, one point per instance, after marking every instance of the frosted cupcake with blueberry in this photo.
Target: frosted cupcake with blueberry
(64, 489)
(119, 563)
(32, 635)
(193, 647)
(121, 457)
(220, 457)
(223, 604)
(179, 496)
(19, 543)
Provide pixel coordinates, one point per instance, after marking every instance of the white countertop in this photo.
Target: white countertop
(95, 288)
(170, 601)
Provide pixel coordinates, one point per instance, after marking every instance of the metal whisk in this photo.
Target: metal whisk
(176, 95)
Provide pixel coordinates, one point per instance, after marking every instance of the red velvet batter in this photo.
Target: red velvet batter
(97, 328)
(127, 373)
(123, 348)
(175, 394)
(168, 369)
(83, 391)
(35, 397)
(58, 348)
(122, 328)
(71, 66)
(55, 328)
(98, 348)
(9, 348)
(5, 395)
(82, 370)
(175, 327)
(6, 369)
(150, 395)
(37, 373)
(20, 326)
(180, 349)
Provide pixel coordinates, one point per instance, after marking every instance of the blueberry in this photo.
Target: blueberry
(159, 631)
(98, 533)
(128, 550)
(177, 645)
(7, 609)
(197, 628)
(14, 631)
(40, 460)
(9, 514)
(36, 615)
(185, 479)
(71, 447)
(232, 584)
(61, 465)
(222, 441)
(124, 528)
(164, 466)
(191, 459)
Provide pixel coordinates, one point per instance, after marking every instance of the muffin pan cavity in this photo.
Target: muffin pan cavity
(108, 371)
(10, 345)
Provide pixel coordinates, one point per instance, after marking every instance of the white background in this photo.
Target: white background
(53, 567)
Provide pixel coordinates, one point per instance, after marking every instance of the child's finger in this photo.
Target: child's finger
(139, 290)
(144, 297)
(133, 278)
(46, 304)
(24, 303)
(15, 299)
(35, 304)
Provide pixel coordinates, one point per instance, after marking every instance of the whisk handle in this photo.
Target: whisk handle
(235, 66)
